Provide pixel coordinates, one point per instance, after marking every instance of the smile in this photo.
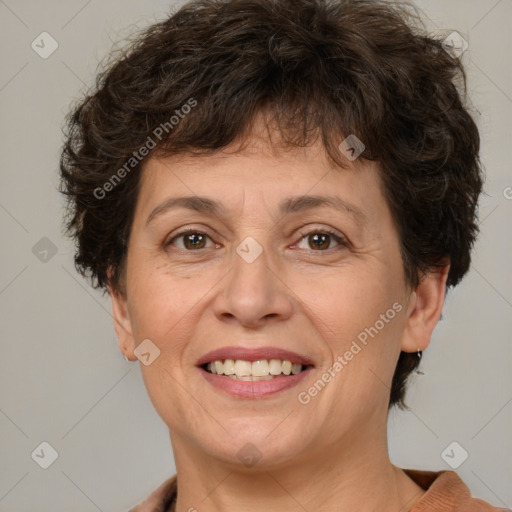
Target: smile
(244, 370)
(255, 372)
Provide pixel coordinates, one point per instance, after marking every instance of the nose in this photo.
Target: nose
(254, 291)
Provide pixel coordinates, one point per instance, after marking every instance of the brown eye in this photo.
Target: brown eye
(321, 240)
(191, 240)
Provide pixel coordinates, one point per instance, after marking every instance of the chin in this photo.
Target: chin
(252, 444)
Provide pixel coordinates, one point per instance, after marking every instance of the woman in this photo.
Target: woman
(277, 195)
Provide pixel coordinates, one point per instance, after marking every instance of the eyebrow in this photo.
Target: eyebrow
(286, 206)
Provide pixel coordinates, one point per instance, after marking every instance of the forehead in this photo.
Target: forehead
(260, 173)
(258, 168)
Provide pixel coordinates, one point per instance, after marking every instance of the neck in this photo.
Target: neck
(352, 475)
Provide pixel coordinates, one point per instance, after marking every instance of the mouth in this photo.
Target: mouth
(253, 373)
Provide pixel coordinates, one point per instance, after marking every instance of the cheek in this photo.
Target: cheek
(166, 305)
(359, 315)
(346, 301)
(158, 305)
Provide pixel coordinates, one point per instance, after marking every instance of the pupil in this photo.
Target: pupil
(195, 236)
(323, 238)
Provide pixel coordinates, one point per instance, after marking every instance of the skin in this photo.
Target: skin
(314, 301)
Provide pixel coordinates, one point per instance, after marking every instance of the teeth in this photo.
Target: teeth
(256, 370)
(296, 368)
(247, 378)
(260, 368)
(242, 368)
(229, 367)
(275, 366)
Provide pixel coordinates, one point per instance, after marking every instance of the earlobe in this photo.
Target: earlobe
(425, 308)
(122, 323)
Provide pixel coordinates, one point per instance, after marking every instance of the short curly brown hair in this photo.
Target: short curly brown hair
(322, 69)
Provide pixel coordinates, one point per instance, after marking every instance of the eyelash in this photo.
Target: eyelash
(341, 240)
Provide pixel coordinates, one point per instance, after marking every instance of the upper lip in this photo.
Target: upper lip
(254, 354)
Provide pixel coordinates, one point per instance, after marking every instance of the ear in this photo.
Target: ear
(122, 323)
(424, 311)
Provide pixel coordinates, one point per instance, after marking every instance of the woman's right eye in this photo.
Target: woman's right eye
(192, 240)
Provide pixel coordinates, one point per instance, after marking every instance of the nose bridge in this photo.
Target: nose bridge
(253, 291)
(252, 259)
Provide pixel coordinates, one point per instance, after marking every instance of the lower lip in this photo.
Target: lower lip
(254, 389)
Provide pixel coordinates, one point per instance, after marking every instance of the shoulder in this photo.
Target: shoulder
(445, 491)
(160, 499)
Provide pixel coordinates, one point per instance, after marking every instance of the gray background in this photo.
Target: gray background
(62, 377)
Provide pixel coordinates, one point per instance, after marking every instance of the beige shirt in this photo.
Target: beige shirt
(445, 492)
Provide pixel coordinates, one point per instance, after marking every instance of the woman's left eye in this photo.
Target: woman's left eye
(321, 239)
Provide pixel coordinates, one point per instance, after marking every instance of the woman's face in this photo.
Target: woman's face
(262, 279)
